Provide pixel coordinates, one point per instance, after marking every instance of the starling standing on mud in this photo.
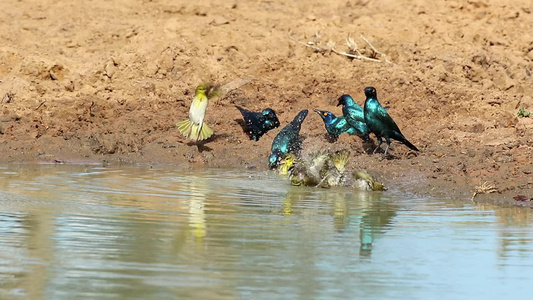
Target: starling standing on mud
(194, 128)
(380, 123)
(335, 125)
(259, 123)
(354, 115)
(288, 140)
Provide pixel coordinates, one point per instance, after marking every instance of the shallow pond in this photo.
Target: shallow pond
(160, 233)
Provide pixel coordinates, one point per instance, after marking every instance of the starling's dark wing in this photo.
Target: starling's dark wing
(354, 112)
(253, 121)
(284, 139)
(291, 134)
(381, 114)
(399, 137)
(246, 114)
(395, 132)
(355, 117)
(242, 110)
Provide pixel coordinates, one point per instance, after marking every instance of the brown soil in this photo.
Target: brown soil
(107, 81)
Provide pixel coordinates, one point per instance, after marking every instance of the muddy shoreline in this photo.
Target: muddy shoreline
(82, 84)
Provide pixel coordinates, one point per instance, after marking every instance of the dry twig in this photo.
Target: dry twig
(310, 45)
(235, 84)
(352, 46)
(8, 97)
(40, 104)
(484, 188)
(376, 50)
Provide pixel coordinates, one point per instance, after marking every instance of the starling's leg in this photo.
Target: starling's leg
(379, 145)
(388, 145)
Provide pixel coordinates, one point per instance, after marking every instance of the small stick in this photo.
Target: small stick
(484, 188)
(473, 196)
(308, 45)
(355, 56)
(375, 50)
(40, 104)
(235, 84)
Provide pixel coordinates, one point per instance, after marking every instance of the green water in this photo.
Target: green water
(166, 233)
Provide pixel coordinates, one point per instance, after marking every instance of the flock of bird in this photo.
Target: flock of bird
(323, 169)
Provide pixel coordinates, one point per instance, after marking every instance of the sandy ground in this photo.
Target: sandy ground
(106, 81)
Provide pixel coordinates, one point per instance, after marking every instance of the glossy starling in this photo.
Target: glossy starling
(259, 123)
(380, 123)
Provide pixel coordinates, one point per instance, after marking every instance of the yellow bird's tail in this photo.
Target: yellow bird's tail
(205, 132)
(193, 131)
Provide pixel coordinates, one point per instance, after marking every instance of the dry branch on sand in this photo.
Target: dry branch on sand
(353, 49)
(235, 84)
(220, 91)
(484, 188)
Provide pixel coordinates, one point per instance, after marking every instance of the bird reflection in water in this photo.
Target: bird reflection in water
(198, 187)
(293, 197)
(377, 217)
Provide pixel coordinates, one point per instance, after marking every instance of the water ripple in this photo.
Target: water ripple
(146, 233)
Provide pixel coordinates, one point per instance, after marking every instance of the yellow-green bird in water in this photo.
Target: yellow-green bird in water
(365, 182)
(322, 169)
(286, 163)
(194, 128)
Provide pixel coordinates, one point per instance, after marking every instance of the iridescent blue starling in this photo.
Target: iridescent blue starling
(335, 125)
(354, 115)
(259, 123)
(288, 140)
(380, 123)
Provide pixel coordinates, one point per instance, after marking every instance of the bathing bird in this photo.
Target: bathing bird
(335, 125)
(380, 123)
(307, 172)
(333, 171)
(259, 123)
(321, 169)
(286, 162)
(194, 128)
(365, 182)
(354, 115)
(288, 140)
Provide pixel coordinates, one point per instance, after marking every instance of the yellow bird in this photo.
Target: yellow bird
(194, 128)
(286, 164)
(365, 182)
